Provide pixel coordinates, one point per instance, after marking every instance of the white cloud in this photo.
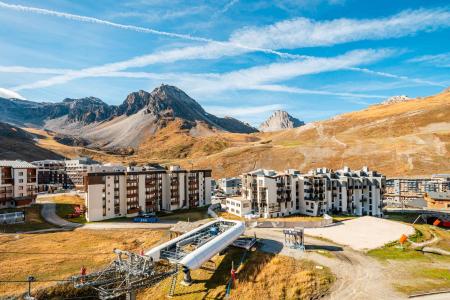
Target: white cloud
(296, 90)
(22, 69)
(255, 77)
(295, 33)
(400, 77)
(86, 19)
(5, 93)
(303, 32)
(439, 60)
(242, 111)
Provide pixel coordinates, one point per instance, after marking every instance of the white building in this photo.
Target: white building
(238, 206)
(76, 169)
(18, 183)
(320, 191)
(115, 191)
(230, 186)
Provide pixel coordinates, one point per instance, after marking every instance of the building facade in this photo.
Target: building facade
(438, 200)
(115, 191)
(230, 186)
(52, 175)
(76, 169)
(320, 191)
(18, 183)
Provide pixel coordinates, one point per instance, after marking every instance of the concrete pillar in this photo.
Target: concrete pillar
(131, 295)
(187, 279)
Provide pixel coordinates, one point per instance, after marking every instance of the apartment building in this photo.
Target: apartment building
(77, 168)
(18, 183)
(52, 175)
(320, 191)
(115, 191)
(230, 186)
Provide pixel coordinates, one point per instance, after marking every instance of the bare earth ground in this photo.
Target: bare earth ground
(358, 276)
(363, 233)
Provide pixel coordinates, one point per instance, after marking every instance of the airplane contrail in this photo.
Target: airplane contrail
(141, 29)
(93, 20)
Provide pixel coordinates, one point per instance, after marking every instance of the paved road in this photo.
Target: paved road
(48, 212)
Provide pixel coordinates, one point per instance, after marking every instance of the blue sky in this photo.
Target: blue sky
(313, 58)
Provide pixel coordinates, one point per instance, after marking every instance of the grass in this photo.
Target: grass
(65, 205)
(292, 218)
(59, 255)
(63, 210)
(295, 279)
(418, 270)
(33, 220)
(229, 216)
(194, 214)
(67, 199)
(431, 279)
(325, 253)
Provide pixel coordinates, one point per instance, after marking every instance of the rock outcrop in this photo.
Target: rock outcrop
(280, 120)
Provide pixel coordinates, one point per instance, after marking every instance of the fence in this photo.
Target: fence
(326, 221)
(12, 218)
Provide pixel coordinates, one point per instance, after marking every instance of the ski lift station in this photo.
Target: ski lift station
(131, 272)
(192, 249)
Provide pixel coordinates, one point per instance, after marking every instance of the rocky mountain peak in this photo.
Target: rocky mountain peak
(134, 102)
(396, 99)
(280, 120)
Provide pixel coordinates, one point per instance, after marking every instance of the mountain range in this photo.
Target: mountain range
(398, 138)
(95, 124)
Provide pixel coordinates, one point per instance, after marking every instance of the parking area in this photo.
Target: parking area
(363, 233)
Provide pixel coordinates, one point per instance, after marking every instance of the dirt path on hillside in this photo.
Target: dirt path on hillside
(358, 276)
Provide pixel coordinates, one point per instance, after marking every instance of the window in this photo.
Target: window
(20, 173)
(20, 180)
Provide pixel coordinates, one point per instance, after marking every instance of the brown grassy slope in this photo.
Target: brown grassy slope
(46, 139)
(60, 255)
(175, 141)
(262, 276)
(409, 138)
(16, 143)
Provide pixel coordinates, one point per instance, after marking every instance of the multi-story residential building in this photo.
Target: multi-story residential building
(115, 191)
(276, 194)
(18, 183)
(230, 186)
(52, 175)
(77, 168)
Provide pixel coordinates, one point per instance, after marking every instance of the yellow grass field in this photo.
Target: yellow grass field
(59, 255)
(261, 276)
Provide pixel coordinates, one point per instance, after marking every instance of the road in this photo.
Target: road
(358, 276)
(48, 212)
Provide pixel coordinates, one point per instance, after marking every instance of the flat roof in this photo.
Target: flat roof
(17, 164)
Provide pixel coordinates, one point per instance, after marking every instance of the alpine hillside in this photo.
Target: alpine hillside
(119, 128)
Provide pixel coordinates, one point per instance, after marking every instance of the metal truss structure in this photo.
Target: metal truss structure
(128, 273)
(175, 252)
(294, 238)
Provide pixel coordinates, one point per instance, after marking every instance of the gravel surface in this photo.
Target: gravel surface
(363, 233)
